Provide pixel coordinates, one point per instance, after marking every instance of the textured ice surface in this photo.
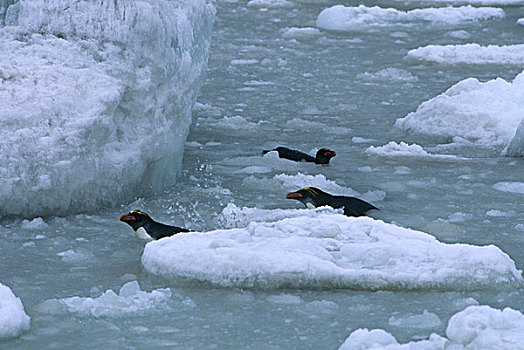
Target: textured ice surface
(13, 319)
(389, 74)
(486, 113)
(95, 99)
(470, 54)
(475, 328)
(511, 187)
(130, 299)
(341, 18)
(324, 250)
(402, 149)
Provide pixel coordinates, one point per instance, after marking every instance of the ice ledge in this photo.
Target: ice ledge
(95, 99)
(327, 250)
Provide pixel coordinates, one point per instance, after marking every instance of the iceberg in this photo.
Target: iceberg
(95, 99)
(474, 328)
(13, 319)
(342, 18)
(490, 114)
(327, 250)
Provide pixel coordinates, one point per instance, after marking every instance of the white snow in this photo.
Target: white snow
(511, 187)
(341, 18)
(95, 99)
(130, 299)
(485, 113)
(326, 250)
(470, 54)
(13, 319)
(474, 328)
(402, 149)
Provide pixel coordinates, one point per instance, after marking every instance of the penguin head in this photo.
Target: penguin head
(136, 219)
(324, 155)
(308, 196)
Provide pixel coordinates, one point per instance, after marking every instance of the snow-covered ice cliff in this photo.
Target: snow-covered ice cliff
(95, 99)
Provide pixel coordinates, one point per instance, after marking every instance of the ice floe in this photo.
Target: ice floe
(511, 187)
(327, 250)
(130, 299)
(487, 113)
(470, 54)
(341, 18)
(13, 319)
(474, 328)
(402, 149)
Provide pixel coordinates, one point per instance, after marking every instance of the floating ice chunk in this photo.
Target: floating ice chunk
(520, 21)
(270, 3)
(300, 33)
(512, 187)
(341, 18)
(13, 319)
(131, 299)
(328, 251)
(470, 54)
(403, 149)
(233, 216)
(486, 113)
(459, 34)
(244, 61)
(426, 320)
(35, 224)
(73, 256)
(475, 328)
(389, 74)
(96, 99)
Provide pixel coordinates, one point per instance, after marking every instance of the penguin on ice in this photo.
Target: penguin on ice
(323, 155)
(313, 197)
(147, 228)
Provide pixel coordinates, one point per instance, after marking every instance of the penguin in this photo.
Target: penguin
(148, 229)
(313, 197)
(323, 155)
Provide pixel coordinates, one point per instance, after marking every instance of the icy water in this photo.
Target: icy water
(266, 87)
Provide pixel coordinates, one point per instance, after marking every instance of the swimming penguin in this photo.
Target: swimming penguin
(147, 228)
(323, 155)
(312, 197)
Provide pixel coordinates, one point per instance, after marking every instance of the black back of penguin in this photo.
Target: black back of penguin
(314, 197)
(147, 228)
(323, 155)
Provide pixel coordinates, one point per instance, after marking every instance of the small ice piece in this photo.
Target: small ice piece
(388, 74)
(470, 54)
(402, 149)
(131, 299)
(300, 33)
(520, 21)
(474, 328)
(511, 187)
(426, 320)
(288, 299)
(13, 319)
(35, 224)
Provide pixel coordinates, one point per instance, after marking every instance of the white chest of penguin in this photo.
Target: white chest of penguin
(142, 234)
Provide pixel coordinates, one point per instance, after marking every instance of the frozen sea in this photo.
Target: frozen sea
(422, 124)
